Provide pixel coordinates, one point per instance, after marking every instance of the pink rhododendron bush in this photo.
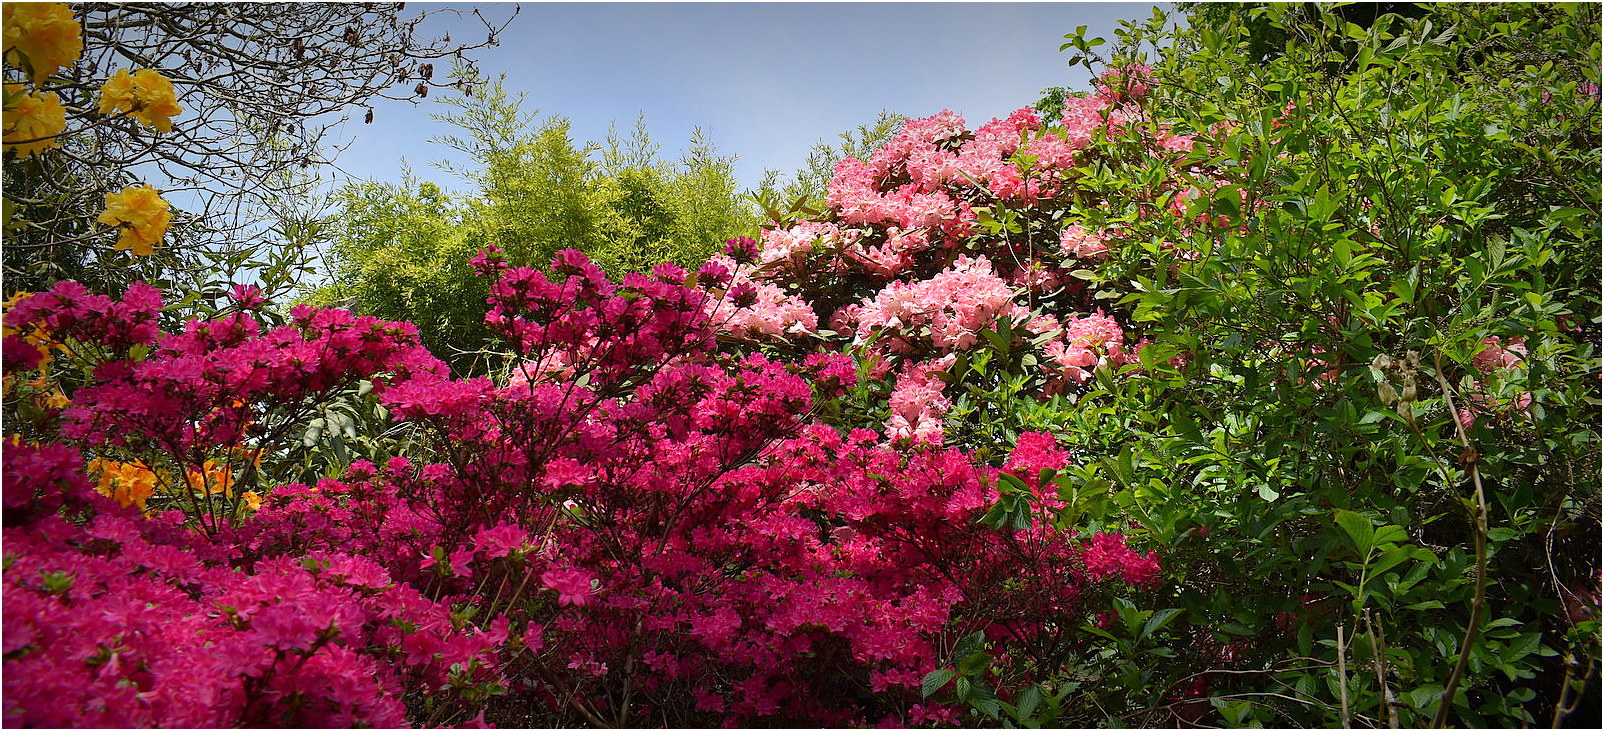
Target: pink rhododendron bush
(632, 528)
(945, 234)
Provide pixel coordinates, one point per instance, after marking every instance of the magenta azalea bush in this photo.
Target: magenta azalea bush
(628, 520)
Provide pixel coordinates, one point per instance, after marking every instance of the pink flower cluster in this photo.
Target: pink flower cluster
(1497, 357)
(945, 312)
(918, 404)
(903, 264)
(201, 388)
(1088, 342)
(755, 309)
(120, 620)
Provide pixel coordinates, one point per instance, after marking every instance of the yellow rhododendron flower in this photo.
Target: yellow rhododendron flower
(252, 500)
(146, 95)
(210, 480)
(129, 483)
(45, 34)
(32, 120)
(141, 214)
(37, 335)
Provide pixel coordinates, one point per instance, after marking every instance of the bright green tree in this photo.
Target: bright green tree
(402, 251)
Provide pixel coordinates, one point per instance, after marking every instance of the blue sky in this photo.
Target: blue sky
(764, 80)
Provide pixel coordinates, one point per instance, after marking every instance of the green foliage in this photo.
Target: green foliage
(1382, 199)
(402, 251)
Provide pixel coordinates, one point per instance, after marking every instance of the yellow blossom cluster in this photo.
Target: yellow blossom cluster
(32, 119)
(41, 37)
(211, 479)
(141, 214)
(133, 483)
(129, 483)
(145, 95)
(214, 478)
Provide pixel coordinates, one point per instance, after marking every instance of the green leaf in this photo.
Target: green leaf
(1160, 619)
(1027, 702)
(1425, 605)
(984, 699)
(1502, 534)
(1007, 482)
(1359, 530)
(970, 644)
(974, 663)
(1524, 645)
(936, 680)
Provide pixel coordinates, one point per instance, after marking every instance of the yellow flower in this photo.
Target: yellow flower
(56, 399)
(141, 214)
(129, 483)
(32, 120)
(147, 95)
(37, 335)
(42, 37)
(252, 500)
(211, 480)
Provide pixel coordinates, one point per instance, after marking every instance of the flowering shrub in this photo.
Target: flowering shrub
(945, 234)
(186, 403)
(631, 517)
(114, 619)
(663, 508)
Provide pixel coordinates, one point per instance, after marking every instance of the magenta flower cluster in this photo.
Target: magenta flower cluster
(626, 526)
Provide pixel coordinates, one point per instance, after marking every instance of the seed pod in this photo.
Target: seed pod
(1387, 393)
(1407, 411)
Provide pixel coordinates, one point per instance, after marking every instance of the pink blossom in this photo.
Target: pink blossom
(572, 586)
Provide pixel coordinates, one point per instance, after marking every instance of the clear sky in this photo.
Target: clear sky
(764, 80)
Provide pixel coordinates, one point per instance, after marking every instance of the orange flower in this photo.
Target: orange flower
(41, 37)
(211, 479)
(146, 95)
(32, 120)
(129, 483)
(141, 214)
(252, 500)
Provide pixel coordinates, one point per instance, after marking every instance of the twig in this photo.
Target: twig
(1569, 698)
(1342, 679)
(1378, 641)
(1477, 601)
